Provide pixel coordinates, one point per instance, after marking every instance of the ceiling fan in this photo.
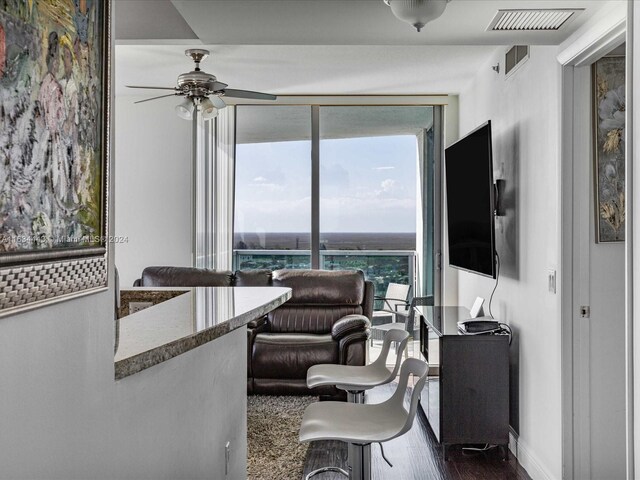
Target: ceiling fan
(202, 90)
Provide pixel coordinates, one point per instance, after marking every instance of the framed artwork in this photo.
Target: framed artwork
(54, 150)
(609, 152)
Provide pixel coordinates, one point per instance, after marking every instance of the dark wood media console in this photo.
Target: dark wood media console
(466, 398)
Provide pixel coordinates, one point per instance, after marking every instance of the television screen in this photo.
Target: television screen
(470, 207)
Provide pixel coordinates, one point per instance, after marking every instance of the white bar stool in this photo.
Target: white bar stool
(361, 425)
(355, 380)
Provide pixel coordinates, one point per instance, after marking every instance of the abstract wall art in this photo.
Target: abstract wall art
(609, 152)
(54, 149)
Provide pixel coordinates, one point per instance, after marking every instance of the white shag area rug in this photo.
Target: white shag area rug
(273, 450)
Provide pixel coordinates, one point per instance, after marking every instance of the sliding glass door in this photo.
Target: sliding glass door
(357, 179)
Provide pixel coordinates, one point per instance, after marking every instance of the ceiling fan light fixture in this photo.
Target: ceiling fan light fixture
(185, 109)
(417, 12)
(209, 110)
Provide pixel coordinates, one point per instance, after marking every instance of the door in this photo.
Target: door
(599, 362)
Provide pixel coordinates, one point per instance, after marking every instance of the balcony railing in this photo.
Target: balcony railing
(380, 266)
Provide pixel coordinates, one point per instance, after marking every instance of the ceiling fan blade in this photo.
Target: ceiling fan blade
(217, 102)
(155, 98)
(152, 88)
(217, 86)
(232, 92)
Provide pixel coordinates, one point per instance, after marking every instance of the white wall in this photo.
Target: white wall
(64, 417)
(153, 186)
(525, 114)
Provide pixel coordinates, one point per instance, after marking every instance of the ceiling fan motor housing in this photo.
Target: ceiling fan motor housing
(197, 83)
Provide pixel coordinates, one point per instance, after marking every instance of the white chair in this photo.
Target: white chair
(355, 380)
(362, 425)
(408, 323)
(395, 300)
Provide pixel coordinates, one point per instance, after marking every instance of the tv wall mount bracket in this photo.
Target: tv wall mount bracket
(498, 190)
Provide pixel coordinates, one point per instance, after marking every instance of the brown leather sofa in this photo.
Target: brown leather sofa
(184, 277)
(327, 320)
(202, 277)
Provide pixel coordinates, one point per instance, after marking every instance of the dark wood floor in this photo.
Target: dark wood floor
(415, 456)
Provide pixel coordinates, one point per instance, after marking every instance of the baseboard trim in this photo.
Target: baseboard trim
(527, 460)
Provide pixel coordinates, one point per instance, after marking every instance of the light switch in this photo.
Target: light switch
(552, 281)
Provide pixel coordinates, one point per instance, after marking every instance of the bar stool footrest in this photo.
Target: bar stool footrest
(326, 469)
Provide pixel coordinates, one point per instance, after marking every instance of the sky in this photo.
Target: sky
(366, 185)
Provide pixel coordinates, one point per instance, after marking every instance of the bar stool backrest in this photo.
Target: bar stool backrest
(411, 366)
(395, 335)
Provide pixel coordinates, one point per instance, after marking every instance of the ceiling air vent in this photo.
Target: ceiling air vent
(537, 20)
(515, 57)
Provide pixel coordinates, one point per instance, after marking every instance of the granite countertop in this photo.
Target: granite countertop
(186, 321)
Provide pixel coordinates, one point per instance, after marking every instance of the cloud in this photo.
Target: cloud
(263, 184)
(269, 187)
(383, 168)
(388, 185)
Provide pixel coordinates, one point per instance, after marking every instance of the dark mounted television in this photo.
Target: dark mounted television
(470, 202)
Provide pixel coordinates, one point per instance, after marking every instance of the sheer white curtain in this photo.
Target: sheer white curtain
(224, 184)
(214, 191)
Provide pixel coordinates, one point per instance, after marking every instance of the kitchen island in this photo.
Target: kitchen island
(180, 371)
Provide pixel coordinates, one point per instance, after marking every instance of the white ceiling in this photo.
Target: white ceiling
(318, 47)
(330, 22)
(361, 22)
(318, 70)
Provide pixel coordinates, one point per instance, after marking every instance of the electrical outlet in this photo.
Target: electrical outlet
(227, 457)
(137, 306)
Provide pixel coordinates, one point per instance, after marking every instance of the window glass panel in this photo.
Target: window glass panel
(272, 218)
(369, 158)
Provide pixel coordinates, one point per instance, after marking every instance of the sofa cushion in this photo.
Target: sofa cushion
(185, 277)
(322, 287)
(253, 278)
(291, 355)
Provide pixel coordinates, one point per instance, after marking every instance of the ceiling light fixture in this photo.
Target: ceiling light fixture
(417, 12)
(185, 109)
(208, 109)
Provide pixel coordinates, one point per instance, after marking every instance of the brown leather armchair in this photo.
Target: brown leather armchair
(326, 321)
